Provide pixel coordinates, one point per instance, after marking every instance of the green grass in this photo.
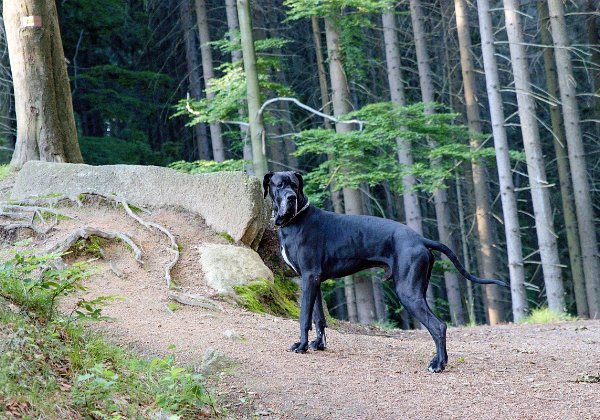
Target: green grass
(546, 316)
(4, 171)
(52, 367)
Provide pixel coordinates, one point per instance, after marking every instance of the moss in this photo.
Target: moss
(227, 237)
(277, 298)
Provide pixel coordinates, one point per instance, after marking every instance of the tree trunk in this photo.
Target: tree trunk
(412, 209)
(216, 136)
(191, 54)
(340, 94)
(257, 130)
(233, 29)
(44, 109)
(583, 204)
(562, 162)
(483, 213)
(592, 8)
(540, 193)
(507, 189)
(440, 196)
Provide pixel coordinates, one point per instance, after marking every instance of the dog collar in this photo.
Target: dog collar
(297, 213)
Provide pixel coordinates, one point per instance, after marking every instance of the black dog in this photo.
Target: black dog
(320, 245)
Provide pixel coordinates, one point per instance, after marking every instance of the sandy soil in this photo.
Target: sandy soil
(502, 372)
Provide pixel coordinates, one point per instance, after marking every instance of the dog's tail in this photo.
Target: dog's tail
(452, 257)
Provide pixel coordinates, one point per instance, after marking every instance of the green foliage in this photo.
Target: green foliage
(370, 156)
(230, 89)
(263, 296)
(4, 171)
(546, 316)
(69, 370)
(28, 280)
(114, 151)
(207, 166)
(298, 9)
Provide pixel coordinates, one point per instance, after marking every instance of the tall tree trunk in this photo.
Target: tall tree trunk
(507, 189)
(440, 196)
(562, 162)
(412, 209)
(540, 193)
(592, 8)
(483, 213)
(191, 54)
(583, 204)
(340, 94)
(44, 109)
(233, 29)
(257, 130)
(216, 136)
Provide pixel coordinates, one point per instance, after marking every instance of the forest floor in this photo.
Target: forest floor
(503, 372)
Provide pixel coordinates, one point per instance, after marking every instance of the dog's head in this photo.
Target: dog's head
(286, 191)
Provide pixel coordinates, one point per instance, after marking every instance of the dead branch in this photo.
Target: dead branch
(87, 231)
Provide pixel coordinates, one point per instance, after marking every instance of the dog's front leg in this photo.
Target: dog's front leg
(310, 288)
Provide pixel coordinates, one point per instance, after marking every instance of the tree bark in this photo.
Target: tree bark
(536, 171)
(44, 109)
(483, 212)
(583, 204)
(440, 196)
(592, 9)
(340, 95)
(191, 54)
(233, 29)
(216, 136)
(257, 130)
(562, 162)
(507, 189)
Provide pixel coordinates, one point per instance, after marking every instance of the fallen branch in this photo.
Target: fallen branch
(86, 232)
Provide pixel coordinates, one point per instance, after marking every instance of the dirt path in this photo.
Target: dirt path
(505, 372)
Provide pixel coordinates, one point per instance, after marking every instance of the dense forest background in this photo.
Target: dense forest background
(148, 87)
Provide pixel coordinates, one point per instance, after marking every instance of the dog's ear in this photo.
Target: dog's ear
(266, 183)
(300, 182)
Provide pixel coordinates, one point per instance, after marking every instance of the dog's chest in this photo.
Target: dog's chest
(287, 259)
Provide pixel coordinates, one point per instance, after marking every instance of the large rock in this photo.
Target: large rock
(225, 266)
(228, 201)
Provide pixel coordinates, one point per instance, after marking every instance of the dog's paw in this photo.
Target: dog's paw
(298, 347)
(317, 344)
(436, 365)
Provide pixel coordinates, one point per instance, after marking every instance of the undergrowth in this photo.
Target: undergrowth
(546, 316)
(51, 367)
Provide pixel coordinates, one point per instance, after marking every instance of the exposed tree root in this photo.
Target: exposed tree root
(19, 210)
(174, 248)
(195, 300)
(23, 225)
(87, 231)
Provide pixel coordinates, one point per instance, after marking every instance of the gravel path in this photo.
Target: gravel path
(502, 372)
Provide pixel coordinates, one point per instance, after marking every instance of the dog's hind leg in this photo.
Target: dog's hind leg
(411, 276)
(320, 342)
